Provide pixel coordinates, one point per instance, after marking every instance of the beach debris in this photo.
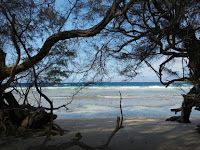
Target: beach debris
(176, 110)
(77, 140)
(174, 118)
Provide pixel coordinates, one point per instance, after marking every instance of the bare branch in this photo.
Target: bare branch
(68, 15)
(174, 54)
(72, 99)
(122, 116)
(149, 65)
(14, 67)
(76, 141)
(176, 80)
(111, 13)
(162, 66)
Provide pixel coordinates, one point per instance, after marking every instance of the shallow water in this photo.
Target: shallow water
(103, 101)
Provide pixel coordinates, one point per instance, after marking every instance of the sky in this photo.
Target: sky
(146, 74)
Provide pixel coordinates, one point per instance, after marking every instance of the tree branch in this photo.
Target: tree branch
(2, 58)
(52, 40)
(174, 54)
(76, 141)
(14, 67)
(68, 16)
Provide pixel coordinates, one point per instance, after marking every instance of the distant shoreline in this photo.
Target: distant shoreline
(96, 84)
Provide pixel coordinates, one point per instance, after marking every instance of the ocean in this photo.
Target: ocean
(101, 100)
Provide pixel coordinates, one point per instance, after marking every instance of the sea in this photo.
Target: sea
(102, 100)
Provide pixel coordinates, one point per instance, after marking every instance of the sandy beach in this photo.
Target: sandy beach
(138, 134)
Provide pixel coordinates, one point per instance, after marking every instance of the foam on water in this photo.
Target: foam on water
(102, 100)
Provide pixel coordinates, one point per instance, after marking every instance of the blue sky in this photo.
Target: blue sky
(146, 73)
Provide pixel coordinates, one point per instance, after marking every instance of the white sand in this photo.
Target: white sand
(137, 134)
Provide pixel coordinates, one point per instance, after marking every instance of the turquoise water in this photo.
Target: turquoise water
(139, 99)
(112, 84)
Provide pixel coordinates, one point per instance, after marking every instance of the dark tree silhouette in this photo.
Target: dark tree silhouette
(35, 41)
(36, 46)
(154, 29)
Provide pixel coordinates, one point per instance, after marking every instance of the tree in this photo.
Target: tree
(37, 46)
(153, 29)
(25, 25)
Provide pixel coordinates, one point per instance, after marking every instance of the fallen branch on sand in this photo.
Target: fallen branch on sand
(77, 139)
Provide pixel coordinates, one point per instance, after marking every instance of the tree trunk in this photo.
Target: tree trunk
(15, 118)
(190, 100)
(186, 110)
(16, 114)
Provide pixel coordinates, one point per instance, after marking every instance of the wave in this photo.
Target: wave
(108, 89)
(114, 97)
(112, 88)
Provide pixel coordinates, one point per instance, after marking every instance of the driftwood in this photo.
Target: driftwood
(174, 118)
(77, 139)
(176, 110)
